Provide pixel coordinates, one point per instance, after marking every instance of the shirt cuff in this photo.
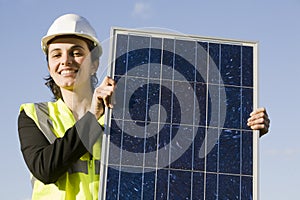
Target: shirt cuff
(89, 130)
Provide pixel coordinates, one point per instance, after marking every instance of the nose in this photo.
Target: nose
(66, 59)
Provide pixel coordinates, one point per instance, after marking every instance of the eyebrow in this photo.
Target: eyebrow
(72, 47)
(77, 46)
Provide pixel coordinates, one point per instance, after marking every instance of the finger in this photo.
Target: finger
(258, 110)
(259, 124)
(105, 87)
(257, 116)
(103, 92)
(105, 95)
(106, 102)
(108, 81)
(256, 121)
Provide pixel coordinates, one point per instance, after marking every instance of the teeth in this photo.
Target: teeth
(64, 72)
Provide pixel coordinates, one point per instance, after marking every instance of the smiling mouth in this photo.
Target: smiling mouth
(68, 72)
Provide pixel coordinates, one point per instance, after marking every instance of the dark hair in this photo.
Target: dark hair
(50, 83)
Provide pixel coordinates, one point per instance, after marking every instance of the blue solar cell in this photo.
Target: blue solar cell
(214, 61)
(149, 185)
(213, 109)
(162, 184)
(131, 140)
(112, 181)
(180, 185)
(137, 88)
(200, 99)
(247, 106)
(166, 102)
(229, 187)
(199, 140)
(201, 61)
(136, 58)
(121, 55)
(229, 151)
(183, 90)
(178, 129)
(155, 60)
(185, 161)
(167, 59)
(130, 185)
(247, 152)
(247, 66)
(151, 146)
(198, 186)
(184, 60)
(247, 188)
(163, 141)
(115, 139)
(212, 152)
(231, 64)
(211, 186)
(233, 104)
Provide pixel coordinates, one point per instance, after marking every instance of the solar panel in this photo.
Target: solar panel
(178, 129)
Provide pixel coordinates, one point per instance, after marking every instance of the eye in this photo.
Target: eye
(55, 55)
(77, 53)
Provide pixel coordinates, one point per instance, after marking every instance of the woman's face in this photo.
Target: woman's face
(69, 63)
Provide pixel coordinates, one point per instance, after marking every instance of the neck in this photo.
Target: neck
(78, 102)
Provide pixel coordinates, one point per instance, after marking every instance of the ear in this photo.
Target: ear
(95, 66)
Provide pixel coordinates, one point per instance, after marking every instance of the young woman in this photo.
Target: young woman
(60, 140)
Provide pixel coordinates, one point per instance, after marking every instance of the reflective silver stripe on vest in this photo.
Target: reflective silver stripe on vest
(82, 166)
(97, 166)
(45, 123)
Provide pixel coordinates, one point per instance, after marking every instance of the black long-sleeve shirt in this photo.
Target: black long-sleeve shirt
(47, 162)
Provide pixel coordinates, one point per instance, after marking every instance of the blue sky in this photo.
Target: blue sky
(274, 24)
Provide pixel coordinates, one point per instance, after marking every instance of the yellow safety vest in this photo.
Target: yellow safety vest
(82, 180)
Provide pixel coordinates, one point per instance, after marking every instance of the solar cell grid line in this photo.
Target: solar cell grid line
(159, 57)
(178, 127)
(172, 108)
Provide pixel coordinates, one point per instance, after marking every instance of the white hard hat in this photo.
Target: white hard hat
(71, 24)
